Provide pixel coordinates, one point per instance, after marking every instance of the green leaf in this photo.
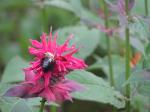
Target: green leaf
(74, 6)
(141, 103)
(118, 63)
(147, 50)
(14, 5)
(13, 71)
(139, 33)
(11, 104)
(85, 38)
(139, 28)
(21, 106)
(77, 8)
(139, 76)
(30, 25)
(60, 4)
(140, 8)
(11, 50)
(7, 103)
(140, 80)
(87, 15)
(96, 89)
(144, 89)
(137, 44)
(146, 63)
(3, 88)
(146, 60)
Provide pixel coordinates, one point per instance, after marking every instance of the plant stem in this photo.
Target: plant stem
(44, 18)
(42, 105)
(127, 68)
(53, 108)
(108, 45)
(127, 34)
(146, 7)
(112, 83)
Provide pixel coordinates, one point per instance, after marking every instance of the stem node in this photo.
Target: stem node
(42, 105)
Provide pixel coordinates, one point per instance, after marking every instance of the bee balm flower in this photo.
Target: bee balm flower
(46, 76)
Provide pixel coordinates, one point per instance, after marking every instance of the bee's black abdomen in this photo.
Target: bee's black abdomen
(47, 64)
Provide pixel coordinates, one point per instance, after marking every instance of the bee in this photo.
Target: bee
(136, 58)
(48, 62)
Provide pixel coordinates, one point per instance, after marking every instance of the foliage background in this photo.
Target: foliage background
(22, 20)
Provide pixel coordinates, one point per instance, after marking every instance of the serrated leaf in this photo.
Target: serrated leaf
(13, 71)
(96, 89)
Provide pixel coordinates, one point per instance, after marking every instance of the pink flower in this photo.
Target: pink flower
(57, 92)
(52, 61)
(46, 76)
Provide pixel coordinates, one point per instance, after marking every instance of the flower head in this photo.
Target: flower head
(52, 61)
(57, 92)
(46, 76)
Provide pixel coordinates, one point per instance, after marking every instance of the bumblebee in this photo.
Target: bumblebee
(48, 62)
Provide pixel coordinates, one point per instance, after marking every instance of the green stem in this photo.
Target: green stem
(42, 105)
(109, 49)
(53, 108)
(44, 18)
(149, 104)
(127, 33)
(108, 46)
(146, 7)
(127, 68)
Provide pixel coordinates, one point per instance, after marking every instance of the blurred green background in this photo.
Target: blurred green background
(21, 20)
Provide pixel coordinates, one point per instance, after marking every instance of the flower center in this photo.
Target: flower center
(48, 62)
